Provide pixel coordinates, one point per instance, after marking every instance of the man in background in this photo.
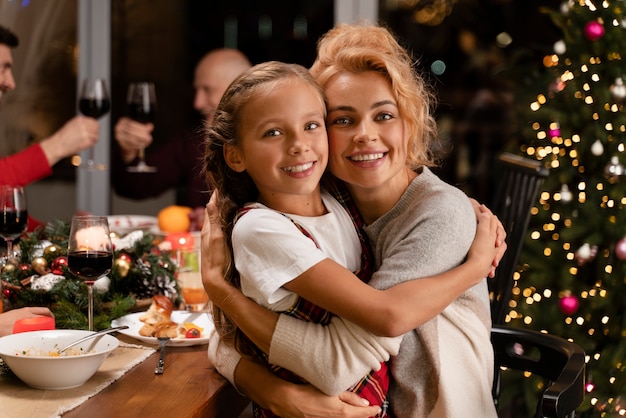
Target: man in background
(36, 161)
(178, 162)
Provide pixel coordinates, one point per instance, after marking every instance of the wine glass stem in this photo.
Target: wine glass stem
(90, 308)
(9, 249)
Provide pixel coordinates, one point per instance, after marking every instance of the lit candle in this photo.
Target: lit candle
(91, 238)
(36, 323)
(180, 241)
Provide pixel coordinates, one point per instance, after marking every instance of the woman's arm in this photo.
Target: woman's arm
(291, 400)
(285, 399)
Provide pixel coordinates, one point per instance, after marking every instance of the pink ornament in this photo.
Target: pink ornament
(554, 133)
(620, 249)
(568, 304)
(594, 30)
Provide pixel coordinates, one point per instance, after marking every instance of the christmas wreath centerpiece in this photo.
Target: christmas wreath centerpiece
(38, 276)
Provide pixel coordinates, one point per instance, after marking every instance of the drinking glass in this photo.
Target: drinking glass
(13, 222)
(93, 101)
(89, 252)
(190, 280)
(141, 102)
(14, 217)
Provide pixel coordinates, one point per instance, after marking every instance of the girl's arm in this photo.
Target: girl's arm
(391, 312)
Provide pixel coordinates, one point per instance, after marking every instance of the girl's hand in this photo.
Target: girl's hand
(214, 253)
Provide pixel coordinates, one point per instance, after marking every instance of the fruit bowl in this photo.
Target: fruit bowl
(28, 355)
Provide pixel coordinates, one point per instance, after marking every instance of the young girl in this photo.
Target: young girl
(268, 144)
(379, 130)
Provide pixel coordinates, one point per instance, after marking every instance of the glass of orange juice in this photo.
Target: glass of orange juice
(190, 280)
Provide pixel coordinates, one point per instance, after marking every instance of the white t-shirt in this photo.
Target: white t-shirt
(269, 249)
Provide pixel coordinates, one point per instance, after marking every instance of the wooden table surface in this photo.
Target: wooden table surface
(189, 387)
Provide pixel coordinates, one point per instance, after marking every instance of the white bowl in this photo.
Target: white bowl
(55, 373)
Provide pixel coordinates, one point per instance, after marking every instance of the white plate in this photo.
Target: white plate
(202, 319)
(124, 224)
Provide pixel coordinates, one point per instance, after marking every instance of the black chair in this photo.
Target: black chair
(560, 362)
(516, 193)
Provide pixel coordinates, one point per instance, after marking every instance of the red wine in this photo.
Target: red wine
(89, 265)
(93, 107)
(141, 113)
(13, 223)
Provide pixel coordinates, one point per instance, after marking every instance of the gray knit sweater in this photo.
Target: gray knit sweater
(445, 367)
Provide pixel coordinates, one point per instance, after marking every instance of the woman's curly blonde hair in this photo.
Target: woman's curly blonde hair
(362, 47)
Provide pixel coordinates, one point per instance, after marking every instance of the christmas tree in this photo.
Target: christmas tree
(572, 278)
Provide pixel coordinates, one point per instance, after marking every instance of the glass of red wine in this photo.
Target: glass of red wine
(13, 216)
(141, 102)
(89, 253)
(94, 102)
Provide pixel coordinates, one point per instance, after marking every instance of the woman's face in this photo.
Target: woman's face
(283, 143)
(367, 138)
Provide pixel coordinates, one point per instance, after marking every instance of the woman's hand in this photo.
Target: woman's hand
(290, 400)
(305, 401)
(501, 245)
(8, 318)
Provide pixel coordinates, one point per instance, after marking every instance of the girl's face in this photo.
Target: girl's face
(283, 144)
(368, 138)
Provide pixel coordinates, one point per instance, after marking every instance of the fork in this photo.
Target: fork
(162, 343)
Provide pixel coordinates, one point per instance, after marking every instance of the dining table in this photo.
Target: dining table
(189, 387)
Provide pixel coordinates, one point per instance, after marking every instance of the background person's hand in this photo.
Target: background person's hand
(78, 133)
(132, 136)
(196, 218)
(8, 318)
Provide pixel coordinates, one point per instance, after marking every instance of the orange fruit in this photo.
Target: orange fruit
(174, 218)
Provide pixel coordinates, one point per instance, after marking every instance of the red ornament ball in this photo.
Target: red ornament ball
(594, 30)
(6, 293)
(620, 249)
(58, 264)
(125, 257)
(568, 304)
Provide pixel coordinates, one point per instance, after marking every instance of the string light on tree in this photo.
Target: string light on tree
(614, 169)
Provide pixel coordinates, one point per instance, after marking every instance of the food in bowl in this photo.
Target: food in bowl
(28, 355)
(36, 352)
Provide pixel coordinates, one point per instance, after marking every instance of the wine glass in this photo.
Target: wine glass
(94, 102)
(141, 101)
(89, 252)
(14, 217)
